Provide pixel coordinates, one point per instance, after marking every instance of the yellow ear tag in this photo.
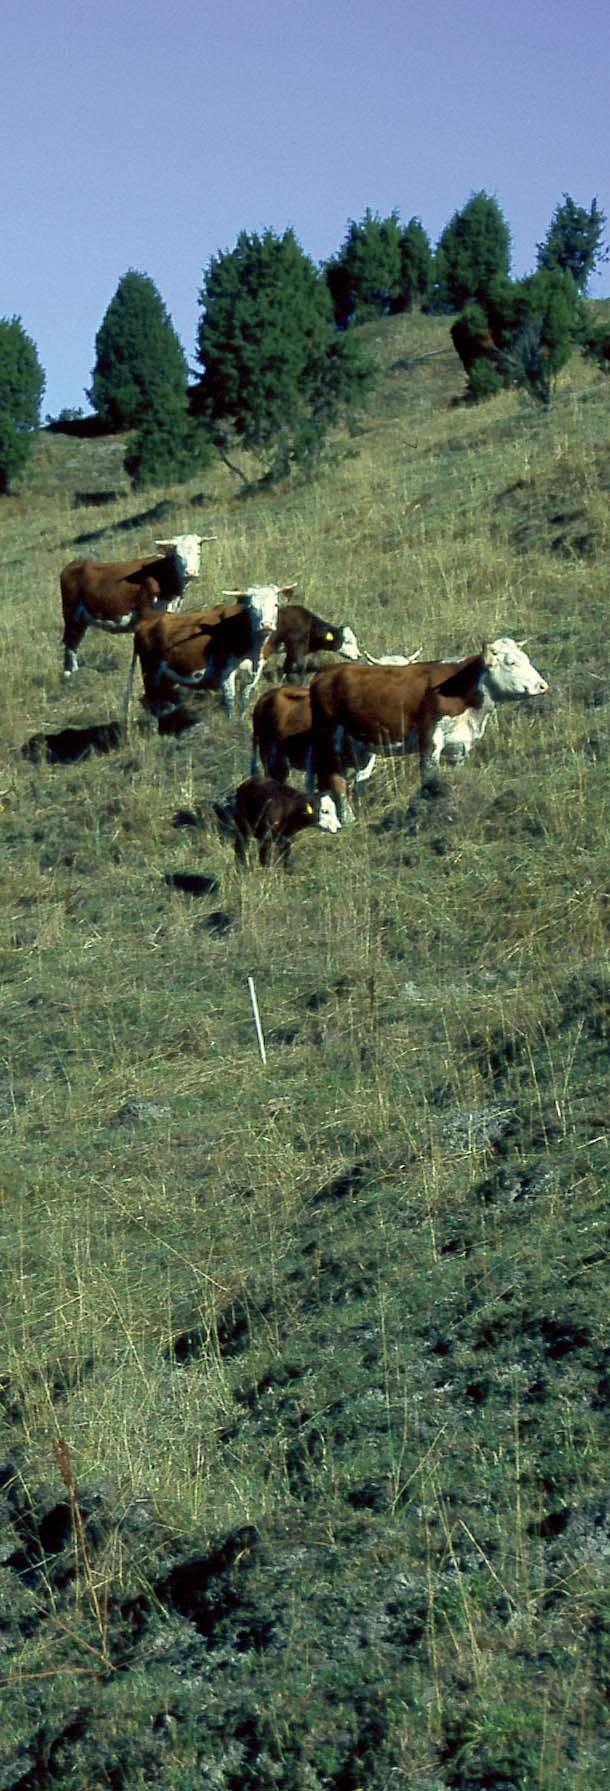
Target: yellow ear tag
(309, 810)
(329, 637)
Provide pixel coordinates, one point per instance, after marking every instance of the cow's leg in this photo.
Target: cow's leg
(277, 766)
(311, 769)
(228, 691)
(365, 769)
(338, 791)
(333, 784)
(322, 766)
(74, 629)
(247, 690)
(430, 747)
(274, 850)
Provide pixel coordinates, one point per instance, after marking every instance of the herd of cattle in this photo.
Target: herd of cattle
(332, 728)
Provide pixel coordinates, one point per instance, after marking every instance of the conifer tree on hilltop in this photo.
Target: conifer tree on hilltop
(382, 267)
(22, 383)
(520, 333)
(140, 382)
(416, 265)
(274, 368)
(364, 277)
(138, 354)
(574, 241)
(473, 252)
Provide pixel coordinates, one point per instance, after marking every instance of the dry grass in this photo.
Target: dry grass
(180, 1225)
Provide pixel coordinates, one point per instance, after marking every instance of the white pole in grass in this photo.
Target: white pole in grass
(257, 1019)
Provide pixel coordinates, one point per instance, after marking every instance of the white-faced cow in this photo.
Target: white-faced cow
(299, 633)
(205, 650)
(117, 595)
(413, 708)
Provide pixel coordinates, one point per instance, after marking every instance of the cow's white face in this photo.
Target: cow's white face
(349, 648)
(263, 603)
(328, 818)
(510, 673)
(188, 550)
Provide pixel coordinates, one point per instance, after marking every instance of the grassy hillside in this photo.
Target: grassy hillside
(305, 1370)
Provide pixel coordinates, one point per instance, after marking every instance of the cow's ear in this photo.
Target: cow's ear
(286, 590)
(486, 653)
(165, 544)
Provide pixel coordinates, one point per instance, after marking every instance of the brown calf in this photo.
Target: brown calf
(270, 814)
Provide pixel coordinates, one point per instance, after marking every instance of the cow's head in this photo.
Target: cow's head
(509, 671)
(187, 550)
(262, 603)
(347, 645)
(326, 815)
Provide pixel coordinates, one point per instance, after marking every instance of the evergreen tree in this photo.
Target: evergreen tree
(574, 241)
(368, 267)
(339, 284)
(473, 251)
(169, 446)
(547, 326)
(272, 365)
(521, 334)
(415, 266)
(597, 344)
(22, 384)
(139, 360)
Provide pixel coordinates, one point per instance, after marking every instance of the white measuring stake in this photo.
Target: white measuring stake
(257, 1020)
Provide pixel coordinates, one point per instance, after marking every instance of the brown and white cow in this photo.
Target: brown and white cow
(282, 737)
(115, 596)
(204, 650)
(269, 813)
(414, 708)
(299, 633)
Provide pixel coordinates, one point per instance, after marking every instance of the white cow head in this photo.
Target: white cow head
(509, 672)
(187, 549)
(327, 817)
(349, 648)
(262, 602)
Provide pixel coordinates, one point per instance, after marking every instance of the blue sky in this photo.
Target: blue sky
(148, 133)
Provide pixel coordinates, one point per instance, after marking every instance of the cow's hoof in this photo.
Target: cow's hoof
(432, 788)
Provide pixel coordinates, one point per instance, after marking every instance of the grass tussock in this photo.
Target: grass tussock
(305, 1368)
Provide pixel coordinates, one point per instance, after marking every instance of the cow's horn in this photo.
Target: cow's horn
(234, 593)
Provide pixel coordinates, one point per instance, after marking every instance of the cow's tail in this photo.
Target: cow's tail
(129, 691)
(254, 756)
